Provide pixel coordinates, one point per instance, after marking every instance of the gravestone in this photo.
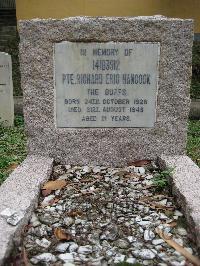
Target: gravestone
(106, 90)
(6, 90)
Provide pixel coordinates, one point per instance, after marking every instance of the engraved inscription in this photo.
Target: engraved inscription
(106, 84)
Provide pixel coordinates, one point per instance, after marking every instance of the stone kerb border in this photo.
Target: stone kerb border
(20, 193)
(107, 146)
(185, 183)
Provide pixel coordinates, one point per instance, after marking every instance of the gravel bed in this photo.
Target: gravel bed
(103, 216)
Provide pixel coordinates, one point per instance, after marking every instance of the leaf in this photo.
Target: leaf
(132, 175)
(12, 166)
(139, 163)
(172, 224)
(54, 185)
(25, 257)
(46, 192)
(75, 213)
(55, 200)
(121, 173)
(60, 234)
(178, 247)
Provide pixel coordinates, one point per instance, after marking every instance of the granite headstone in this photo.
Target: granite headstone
(106, 90)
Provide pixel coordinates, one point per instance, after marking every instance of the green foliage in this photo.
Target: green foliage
(160, 180)
(193, 141)
(12, 146)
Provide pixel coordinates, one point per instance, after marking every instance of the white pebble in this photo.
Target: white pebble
(181, 231)
(148, 235)
(131, 260)
(43, 242)
(47, 199)
(66, 257)
(62, 247)
(44, 257)
(157, 242)
(85, 249)
(144, 254)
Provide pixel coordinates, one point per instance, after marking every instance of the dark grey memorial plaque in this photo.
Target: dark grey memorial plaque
(111, 84)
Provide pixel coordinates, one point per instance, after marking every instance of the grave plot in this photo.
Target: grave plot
(104, 216)
(103, 91)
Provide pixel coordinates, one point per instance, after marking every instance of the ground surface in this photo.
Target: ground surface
(104, 216)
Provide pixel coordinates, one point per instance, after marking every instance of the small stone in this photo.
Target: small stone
(64, 177)
(68, 166)
(148, 235)
(15, 218)
(7, 212)
(163, 202)
(68, 264)
(162, 255)
(131, 239)
(62, 247)
(73, 247)
(144, 223)
(163, 216)
(146, 262)
(86, 169)
(131, 260)
(119, 258)
(178, 213)
(141, 230)
(68, 221)
(34, 220)
(144, 254)
(44, 257)
(43, 242)
(121, 243)
(157, 242)
(59, 207)
(47, 199)
(85, 249)
(57, 192)
(159, 247)
(139, 170)
(66, 257)
(78, 221)
(177, 263)
(96, 169)
(181, 231)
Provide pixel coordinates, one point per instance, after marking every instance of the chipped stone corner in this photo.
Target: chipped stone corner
(18, 196)
(185, 182)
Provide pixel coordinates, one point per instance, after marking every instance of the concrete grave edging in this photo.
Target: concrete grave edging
(21, 190)
(185, 183)
(20, 193)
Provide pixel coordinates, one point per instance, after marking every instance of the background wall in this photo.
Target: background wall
(27, 9)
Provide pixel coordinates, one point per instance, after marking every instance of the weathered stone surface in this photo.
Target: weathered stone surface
(20, 194)
(107, 146)
(185, 186)
(6, 90)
